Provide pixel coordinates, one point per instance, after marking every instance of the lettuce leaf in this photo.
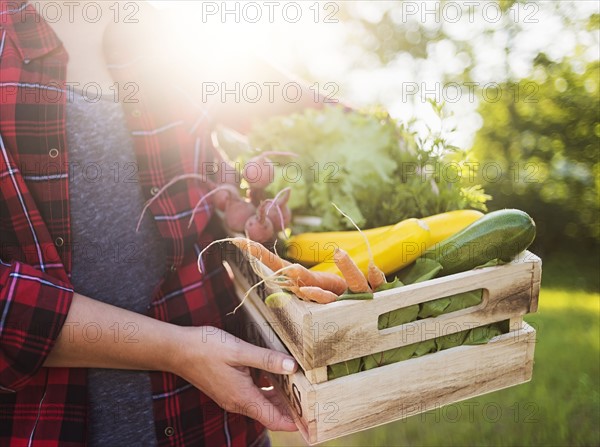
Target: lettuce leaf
(421, 270)
(481, 335)
(344, 368)
(476, 336)
(389, 285)
(434, 308)
(464, 300)
(424, 347)
(398, 317)
(371, 166)
(388, 357)
(450, 340)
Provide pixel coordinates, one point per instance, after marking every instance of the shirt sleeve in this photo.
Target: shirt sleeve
(33, 309)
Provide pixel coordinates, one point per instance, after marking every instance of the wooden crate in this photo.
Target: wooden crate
(370, 398)
(320, 335)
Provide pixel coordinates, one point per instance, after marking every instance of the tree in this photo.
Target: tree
(540, 151)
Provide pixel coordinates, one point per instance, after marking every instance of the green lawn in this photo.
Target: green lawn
(559, 407)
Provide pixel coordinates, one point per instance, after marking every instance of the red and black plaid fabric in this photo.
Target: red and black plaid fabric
(47, 406)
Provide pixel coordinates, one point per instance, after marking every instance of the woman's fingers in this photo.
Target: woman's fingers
(266, 406)
(281, 410)
(271, 413)
(220, 365)
(265, 359)
(263, 381)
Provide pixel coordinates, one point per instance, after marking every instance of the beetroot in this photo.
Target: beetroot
(259, 228)
(278, 211)
(259, 171)
(237, 212)
(256, 195)
(223, 194)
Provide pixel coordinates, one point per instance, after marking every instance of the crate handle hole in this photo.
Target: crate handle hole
(433, 308)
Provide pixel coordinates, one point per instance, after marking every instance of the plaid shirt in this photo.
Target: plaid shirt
(47, 406)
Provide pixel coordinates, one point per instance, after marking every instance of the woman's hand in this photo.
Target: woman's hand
(219, 363)
(213, 360)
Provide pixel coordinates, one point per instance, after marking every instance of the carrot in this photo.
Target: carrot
(252, 250)
(302, 277)
(316, 294)
(375, 276)
(260, 252)
(357, 282)
(298, 274)
(256, 251)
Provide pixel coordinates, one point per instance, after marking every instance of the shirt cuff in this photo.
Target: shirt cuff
(33, 309)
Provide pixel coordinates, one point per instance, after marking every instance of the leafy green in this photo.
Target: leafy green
(374, 168)
(347, 295)
(344, 368)
(388, 357)
(482, 334)
(434, 308)
(450, 303)
(398, 317)
(451, 340)
(464, 300)
(491, 263)
(478, 335)
(421, 270)
(425, 347)
(389, 285)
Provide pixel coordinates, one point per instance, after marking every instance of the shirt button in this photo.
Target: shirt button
(26, 61)
(136, 113)
(173, 268)
(154, 190)
(59, 241)
(53, 153)
(169, 431)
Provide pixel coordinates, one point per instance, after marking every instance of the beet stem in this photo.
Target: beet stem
(164, 188)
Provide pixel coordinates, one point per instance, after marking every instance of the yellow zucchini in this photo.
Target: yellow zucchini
(392, 250)
(444, 225)
(312, 248)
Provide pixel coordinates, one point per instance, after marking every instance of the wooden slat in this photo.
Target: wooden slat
(536, 281)
(515, 324)
(417, 385)
(319, 335)
(317, 375)
(370, 398)
(507, 293)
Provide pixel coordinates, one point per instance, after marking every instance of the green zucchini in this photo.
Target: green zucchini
(501, 234)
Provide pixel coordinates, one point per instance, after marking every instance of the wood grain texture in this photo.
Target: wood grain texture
(381, 395)
(320, 335)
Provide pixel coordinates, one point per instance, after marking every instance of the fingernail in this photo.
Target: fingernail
(288, 365)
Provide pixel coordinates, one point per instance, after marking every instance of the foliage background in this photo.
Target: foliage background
(533, 126)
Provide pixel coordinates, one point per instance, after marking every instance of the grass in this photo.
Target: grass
(559, 407)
